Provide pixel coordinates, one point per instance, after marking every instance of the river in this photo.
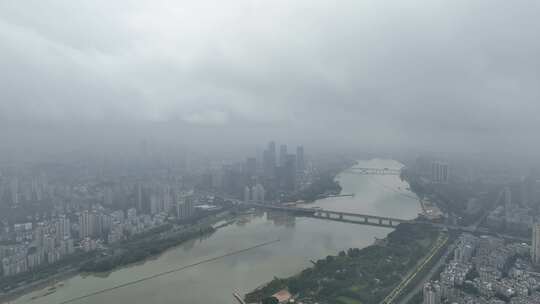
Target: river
(301, 239)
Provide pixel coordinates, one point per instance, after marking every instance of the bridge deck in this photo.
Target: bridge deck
(324, 211)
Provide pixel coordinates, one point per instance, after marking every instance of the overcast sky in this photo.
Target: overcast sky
(437, 74)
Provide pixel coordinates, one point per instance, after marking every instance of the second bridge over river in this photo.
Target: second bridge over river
(347, 217)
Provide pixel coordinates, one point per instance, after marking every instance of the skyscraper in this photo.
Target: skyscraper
(184, 208)
(251, 167)
(139, 197)
(282, 154)
(535, 248)
(257, 193)
(272, 150)
(288, 181)
(269, 160)
(439, 172)
(87, 224)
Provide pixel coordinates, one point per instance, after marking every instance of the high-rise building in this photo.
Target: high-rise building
(282, 154)
(14, 191)
(432, 293)
(217, 179)
(86, 224)
(139, 197)
(154, 204)
(507, 199)
(184, 208)
(530, 190)
(300, 159)
(251, 167)
(257, 193)
(247, 194)
(269, 160)
(108, 196)
(439, 172)
(63, 228)
(288, 178)
(272, 149)
(535, 248)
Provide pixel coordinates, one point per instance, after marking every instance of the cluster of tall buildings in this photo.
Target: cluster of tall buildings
(71, 207)
(16, 190)
(282, 173)
(35, 245)
(266, 176)
(520, 208)
(254, 194)
(433, 170)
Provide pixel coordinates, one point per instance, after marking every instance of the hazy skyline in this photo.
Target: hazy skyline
(436, 75)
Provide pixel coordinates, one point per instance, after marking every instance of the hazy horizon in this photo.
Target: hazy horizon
(455, 77)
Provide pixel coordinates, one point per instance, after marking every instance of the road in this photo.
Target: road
(472, 228)
(441, 241)
(419, 286)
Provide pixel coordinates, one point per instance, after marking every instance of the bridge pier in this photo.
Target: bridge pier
(341, 216)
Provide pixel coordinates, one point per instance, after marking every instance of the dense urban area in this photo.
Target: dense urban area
(60, 219)
(474, 241)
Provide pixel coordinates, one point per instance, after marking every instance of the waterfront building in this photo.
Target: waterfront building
(184, 209)
(258, 193)
(288, 173)
(247, 194)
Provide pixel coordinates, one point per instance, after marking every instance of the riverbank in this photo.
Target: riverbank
(358, 275)
(137, 250)
(37, 285)
(301, 240)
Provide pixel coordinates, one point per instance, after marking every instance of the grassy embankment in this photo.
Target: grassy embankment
(356, 276)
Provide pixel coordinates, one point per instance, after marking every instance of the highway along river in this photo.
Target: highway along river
(301, 239)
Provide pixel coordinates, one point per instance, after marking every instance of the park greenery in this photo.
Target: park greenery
(358, 275)
(140, 249)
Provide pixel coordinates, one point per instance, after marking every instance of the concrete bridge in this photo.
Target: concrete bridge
(374, 171)
(347, 217)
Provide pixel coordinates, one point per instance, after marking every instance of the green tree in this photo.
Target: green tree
(270, 300)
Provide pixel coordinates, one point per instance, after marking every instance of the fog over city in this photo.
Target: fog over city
(270, 152)
(454, 76)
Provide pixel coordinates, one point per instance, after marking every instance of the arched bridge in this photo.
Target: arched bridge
(347, 217)
(374, 171)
